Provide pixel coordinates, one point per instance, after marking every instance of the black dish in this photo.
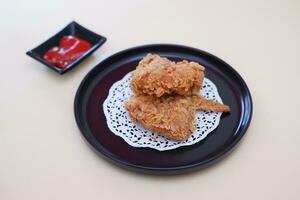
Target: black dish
(90, 118)
(71, 29)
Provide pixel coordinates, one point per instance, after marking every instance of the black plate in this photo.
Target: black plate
(74, 29)
(91, 120)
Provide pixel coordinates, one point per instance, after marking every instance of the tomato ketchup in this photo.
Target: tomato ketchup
(70, 49)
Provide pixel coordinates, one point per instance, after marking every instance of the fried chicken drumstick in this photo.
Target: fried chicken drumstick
(173, 117)
(157, 76)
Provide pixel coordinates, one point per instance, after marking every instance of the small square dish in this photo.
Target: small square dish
(73, 29)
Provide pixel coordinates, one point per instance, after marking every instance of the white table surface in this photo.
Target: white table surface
(44, 156)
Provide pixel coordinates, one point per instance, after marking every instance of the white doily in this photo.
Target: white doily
(120, 123)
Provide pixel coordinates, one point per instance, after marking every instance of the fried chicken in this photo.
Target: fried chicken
(166, 96)
(173, 116)
(157, 76)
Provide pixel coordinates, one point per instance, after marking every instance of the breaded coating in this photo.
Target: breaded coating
(173, 116)
(200, 103)
(157, 76)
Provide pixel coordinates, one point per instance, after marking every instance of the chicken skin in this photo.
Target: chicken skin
(172, 116)
(158, 76)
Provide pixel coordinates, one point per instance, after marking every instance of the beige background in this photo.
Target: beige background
(42, 153)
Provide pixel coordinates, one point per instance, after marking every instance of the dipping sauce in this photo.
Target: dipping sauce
(70, 49)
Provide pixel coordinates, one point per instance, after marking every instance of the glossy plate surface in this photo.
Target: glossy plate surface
(91, 121)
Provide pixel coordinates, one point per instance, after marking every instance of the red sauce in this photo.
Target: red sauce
(70, 49)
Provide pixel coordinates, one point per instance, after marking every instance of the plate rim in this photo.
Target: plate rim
(103, 152)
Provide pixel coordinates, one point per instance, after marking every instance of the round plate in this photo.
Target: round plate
(94, 88)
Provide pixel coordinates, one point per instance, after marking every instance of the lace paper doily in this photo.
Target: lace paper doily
(120, 123)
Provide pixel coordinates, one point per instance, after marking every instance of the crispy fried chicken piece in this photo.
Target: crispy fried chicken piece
(203, 104)
(157, 76)
(172, 117)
